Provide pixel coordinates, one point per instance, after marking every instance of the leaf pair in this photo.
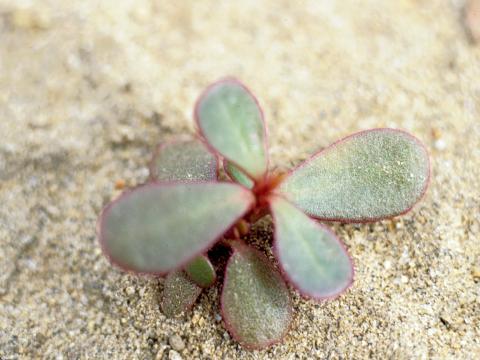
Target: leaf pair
(163, 226)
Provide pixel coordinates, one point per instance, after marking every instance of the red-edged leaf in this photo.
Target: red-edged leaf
(311, 256)
(159, 227)
(367, 176)
(231, 121)
(255, 300)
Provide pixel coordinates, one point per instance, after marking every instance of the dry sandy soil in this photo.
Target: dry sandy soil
(88, 88)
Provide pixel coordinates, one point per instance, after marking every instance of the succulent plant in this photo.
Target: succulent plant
(168, 225)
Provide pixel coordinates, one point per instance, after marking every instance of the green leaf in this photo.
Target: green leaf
(183, 160)
(179, 293)
(312, 257)
(159, 227)
(231, 120)
(238, 175)
(367, 176)
(255, 300)
(201, 271)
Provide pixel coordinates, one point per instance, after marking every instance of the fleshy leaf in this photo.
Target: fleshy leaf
(159, 227)
(201, 271)
(367, 176)
(255, 300)
(311, 256)
(183, 160)
(238, 175)
(179, 293)
(231, 120)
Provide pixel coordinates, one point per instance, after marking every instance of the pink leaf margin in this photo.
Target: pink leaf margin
(285, 274)
(227, 320)
(232, 80)
(181, 265)
(359, 133)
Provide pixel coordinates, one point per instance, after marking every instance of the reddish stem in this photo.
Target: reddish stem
(265, 187)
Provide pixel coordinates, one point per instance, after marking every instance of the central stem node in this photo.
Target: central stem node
(264, 188)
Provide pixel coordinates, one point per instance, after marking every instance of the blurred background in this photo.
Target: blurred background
(88, 88)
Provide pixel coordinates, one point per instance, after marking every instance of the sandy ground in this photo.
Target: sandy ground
(88, 88)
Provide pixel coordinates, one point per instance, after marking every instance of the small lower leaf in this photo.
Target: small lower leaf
(255, 300)
(179, 293)
(201, 271)
(311, 256)
(238, 175)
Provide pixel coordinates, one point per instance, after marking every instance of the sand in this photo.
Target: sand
(88, 88)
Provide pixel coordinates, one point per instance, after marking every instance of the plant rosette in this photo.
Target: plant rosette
(168, 225)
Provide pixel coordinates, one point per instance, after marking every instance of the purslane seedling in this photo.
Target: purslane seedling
(167, 226)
